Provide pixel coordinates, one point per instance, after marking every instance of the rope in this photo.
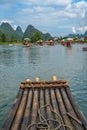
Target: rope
(43, 124)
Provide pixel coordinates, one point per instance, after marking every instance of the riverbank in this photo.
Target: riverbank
(11, 43)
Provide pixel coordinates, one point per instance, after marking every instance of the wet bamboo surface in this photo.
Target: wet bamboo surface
(45, 106)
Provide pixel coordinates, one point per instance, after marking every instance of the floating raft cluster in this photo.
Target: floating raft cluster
(45, 105)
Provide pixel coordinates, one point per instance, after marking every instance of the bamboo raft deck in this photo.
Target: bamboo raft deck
(45, 105)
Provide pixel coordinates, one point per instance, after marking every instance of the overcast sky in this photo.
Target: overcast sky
(58, 17)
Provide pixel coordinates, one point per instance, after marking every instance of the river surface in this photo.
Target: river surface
(18, 63)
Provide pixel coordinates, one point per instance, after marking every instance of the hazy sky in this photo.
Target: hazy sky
(58, 17)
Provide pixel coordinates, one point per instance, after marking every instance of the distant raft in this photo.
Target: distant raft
(45, 105)
(84, 48)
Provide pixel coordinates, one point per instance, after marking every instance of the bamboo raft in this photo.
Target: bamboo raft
(45, 105)
(84, 48)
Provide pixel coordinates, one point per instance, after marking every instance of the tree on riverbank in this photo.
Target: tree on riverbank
(85, 38)
(3, 37)
(36, 37)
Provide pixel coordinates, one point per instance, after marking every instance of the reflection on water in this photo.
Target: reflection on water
(18, 63)
(69, 51)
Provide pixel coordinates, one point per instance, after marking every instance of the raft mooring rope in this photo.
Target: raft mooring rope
(43, 124)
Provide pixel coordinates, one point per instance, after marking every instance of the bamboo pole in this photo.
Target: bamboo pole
(63, 109)
(48, 109)
(76, 108)
(27, 113)
(70, 110)
(55, 106)
(34, 109)
(42, 110)
(20, 111)
(42, 103)
(9, 120)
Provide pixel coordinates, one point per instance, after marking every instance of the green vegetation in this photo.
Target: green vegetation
(37, 36)
(85, 39)
(3, 37)
(9, 35)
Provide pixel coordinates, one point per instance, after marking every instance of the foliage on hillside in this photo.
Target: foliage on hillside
(8, 34)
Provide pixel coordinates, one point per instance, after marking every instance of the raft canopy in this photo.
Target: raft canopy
(45, 105)
(27, 39)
